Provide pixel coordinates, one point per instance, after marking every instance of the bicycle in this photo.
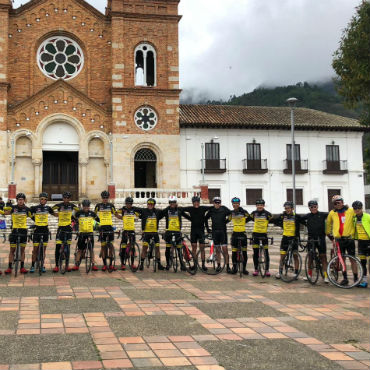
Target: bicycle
(151, 254)
(290, 261)
(109, 247)
(338, 264)
(132, 252)
(174, 254)
(64, 252)
(87, 252)
(40, 259)
(215, 258)
(188, 259)
(262, 262)
(17, 254)
(312, 264)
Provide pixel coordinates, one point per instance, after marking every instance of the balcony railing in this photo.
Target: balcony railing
(301, 166)
(140, 195)
(214, 165)
(255, 166)
(335, 167)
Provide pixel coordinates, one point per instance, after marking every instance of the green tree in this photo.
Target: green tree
(352, 63)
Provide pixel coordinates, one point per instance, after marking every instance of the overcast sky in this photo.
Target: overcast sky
(233, 46)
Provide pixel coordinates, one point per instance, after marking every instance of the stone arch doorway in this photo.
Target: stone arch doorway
(60, 147)
(145, 165)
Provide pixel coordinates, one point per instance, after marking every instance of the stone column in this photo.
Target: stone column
(37, 164)
(83, 164)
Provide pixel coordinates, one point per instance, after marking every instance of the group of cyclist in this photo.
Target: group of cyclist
(343, 224)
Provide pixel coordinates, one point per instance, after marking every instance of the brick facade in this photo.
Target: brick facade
(102, 98)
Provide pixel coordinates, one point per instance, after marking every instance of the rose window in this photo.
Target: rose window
(146, 118)
(60, 57)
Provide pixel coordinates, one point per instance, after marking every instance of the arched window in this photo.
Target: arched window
(145, 65)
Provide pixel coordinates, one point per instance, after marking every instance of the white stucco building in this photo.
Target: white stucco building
(247, 152)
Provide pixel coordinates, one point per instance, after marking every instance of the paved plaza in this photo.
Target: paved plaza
(165, 320)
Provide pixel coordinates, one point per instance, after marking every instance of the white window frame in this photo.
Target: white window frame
(148, 47)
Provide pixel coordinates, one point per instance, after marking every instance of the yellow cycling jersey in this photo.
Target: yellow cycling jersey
(151, 224)
(128, 218)
(239, 220)
(289, 227)
(105, 212)
(360, 230)
(65, 211)
(86, 221)
(19, 216)
(261, 220)
(173, 222)
(40, 214)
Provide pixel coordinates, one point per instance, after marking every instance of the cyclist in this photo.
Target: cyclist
(105, 210)
(149, 224)
(127, 213)
(290, 223)
(65, 211)
(40, 214)
(173, 215)
(219, 215)
(261, 219)
(362, 234)
(197, 219)
(315, 222)
(339, 225)
(19, 213)
(239, 217)
(86, 220)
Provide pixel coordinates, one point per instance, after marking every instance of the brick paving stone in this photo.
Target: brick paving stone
(206, 337)
(229, 337)
(113, 355)
(195, 352)
(274, 335)
(308, 341)
(352, 365)
(345, 347)
(146, 362)
(140, 354)
(162, 346)
(125, 340)
(175, 361)
(359, 355)
(25, 367)
(56, 366)
(123, 363)
(203, 360)
(167, 352)
(210, 367)
(336, 356)
(180, 338)
(183, 345)
(86, 365)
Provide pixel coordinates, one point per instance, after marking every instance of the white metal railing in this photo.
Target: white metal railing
(140, 195)
(335, 165)
(4, 193)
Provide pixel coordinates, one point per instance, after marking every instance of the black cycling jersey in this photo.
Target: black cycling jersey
(149, 219)
(197, 216)
(316, 223)
(219, 217)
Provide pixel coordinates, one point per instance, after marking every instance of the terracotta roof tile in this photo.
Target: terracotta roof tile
(231, 116)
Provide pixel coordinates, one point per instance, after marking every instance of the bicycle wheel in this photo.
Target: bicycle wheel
(134, 257)
(155, 262)
(88, 256)
(335, 266)
(111, 256)
(189, 260)
(215, 263)
(174, 259)
(261, 261)
(240, 262)
(62, 260)
(17, 259)
(314, 268)
(40, 258)
(289, 266)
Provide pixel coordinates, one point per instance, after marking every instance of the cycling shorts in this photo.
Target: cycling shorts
(40, 231)
(197, 235)
(22, 233)
(219, 237)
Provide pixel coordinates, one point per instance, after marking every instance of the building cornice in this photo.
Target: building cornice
(144, 17)
(144, 91)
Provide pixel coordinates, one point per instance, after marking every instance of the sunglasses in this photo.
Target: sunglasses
(151, 203)
(43, 198)
(337, 203)
(312, 207)
(356, 208)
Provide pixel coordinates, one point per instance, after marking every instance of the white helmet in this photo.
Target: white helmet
(172, 199)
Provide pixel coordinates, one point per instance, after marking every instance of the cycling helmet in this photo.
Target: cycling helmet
(86, 203)
(151, 201)
(235, 200)
(67, 194)
(20, 196)
(337, 198)
(288, 204)
(312, 203)
(44, 195)
(104, 194)
(260, 201)
(172, 199)
(195, 199)
(357, 204)
(216, 200)
(129, 200)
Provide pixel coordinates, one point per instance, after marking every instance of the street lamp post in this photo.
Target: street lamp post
(292, 103)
